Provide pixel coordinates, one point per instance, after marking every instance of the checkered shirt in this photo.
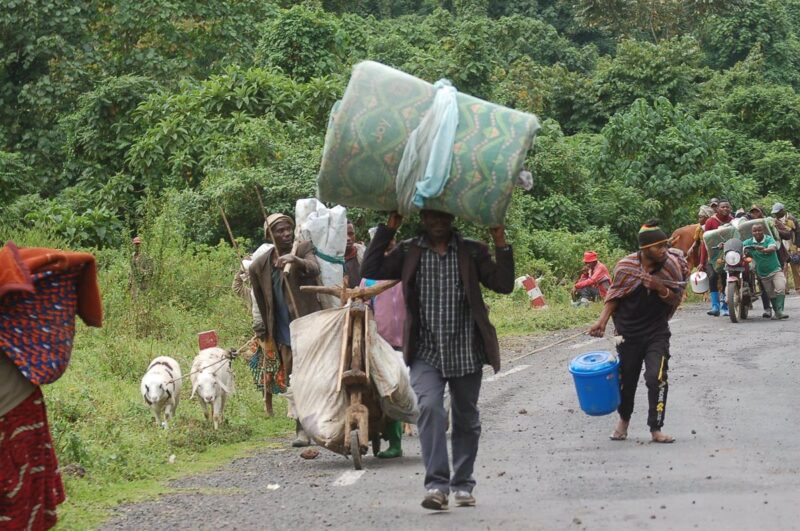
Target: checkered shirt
(447, 334)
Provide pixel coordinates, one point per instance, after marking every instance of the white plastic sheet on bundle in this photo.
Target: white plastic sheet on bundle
(745, 228)
(313, 400)
(327, 229)
(738, 228)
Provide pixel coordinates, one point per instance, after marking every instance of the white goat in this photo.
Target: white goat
(212, 381)
(161, 388)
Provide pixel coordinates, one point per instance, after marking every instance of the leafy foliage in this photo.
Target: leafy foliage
(304, 43)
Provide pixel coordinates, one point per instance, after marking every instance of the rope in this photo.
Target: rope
(540, 349)
(328, 258)
(229, 357)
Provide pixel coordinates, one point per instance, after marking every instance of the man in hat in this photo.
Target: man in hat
(764, 250)
(141, 269)
(786, 230)
(791, 236)
(714, 204)
(447, 337)
(593, 282)
(279, 301)
(648, 287)
(703, 215)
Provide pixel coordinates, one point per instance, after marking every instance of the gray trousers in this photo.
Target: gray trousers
(428, 384)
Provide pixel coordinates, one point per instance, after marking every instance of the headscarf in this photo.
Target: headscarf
(706, 211)
(274, 219)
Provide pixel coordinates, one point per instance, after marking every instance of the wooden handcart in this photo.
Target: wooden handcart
(364, 418)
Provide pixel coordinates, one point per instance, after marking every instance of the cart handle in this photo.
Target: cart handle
(351, 293)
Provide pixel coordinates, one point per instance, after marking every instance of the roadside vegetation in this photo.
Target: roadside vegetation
(146, 117)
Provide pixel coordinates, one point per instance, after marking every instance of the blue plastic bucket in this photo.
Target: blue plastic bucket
(596, 376)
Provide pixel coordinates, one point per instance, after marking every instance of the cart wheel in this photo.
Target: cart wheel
(355, 450)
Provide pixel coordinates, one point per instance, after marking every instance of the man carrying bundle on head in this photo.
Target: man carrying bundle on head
(279, 301)
(447, 337)
(648, 287)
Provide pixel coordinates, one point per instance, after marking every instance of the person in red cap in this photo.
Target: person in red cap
(594, 280)
(141, 269)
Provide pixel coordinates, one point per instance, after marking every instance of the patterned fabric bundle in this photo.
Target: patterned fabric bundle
(30, 483)
(36, 330)
(628, 275)
(368, 131)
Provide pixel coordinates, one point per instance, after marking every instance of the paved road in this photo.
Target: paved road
(543, 464)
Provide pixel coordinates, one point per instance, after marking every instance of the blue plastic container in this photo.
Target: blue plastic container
(596, 376)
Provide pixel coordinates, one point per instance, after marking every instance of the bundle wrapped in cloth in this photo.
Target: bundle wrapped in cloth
(395, 142)
(326, 228)
(745, 228)
(313, 397)
(738, 228)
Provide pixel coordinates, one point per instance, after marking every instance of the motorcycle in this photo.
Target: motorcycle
(742, 288)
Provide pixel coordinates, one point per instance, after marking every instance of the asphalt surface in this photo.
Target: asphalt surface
(543, 464)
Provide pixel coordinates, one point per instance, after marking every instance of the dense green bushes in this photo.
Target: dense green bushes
(644, 115)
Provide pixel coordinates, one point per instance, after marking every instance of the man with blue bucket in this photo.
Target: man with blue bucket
(648, 287)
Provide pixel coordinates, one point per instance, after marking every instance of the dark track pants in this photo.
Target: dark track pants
(429, 383)
(654, 354)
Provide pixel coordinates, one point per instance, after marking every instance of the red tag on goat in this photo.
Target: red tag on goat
(207, 339)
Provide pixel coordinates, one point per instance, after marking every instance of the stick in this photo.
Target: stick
(277, 249)
(343, 354)
(230, 234)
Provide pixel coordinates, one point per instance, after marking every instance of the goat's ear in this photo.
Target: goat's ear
(224, 387)
(194, 389)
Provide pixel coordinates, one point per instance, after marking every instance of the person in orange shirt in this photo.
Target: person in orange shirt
(594, 281)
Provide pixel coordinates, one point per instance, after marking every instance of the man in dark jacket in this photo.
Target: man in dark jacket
(279, 301)
(447, 337)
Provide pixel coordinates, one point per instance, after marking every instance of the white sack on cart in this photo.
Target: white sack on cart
(312, 396)
(389, 373)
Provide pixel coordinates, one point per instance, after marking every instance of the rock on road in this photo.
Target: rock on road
(543, 464)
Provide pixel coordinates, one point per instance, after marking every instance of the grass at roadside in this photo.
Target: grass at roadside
(100, 424)
(513, 316)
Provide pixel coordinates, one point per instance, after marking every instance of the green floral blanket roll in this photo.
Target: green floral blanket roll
(368, 131)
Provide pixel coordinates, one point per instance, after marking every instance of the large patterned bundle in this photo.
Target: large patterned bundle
(369, 128)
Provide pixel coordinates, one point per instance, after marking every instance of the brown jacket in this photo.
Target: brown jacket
(303, 273)
(475, 266)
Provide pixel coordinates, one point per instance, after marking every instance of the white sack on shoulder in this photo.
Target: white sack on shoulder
(326, 228)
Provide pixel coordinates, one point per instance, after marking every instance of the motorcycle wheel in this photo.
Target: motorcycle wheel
(744, 307)
(734, 301)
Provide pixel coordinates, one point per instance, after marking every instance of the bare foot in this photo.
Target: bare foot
(660, 437)
(621, 431)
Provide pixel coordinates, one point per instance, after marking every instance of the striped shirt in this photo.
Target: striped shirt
(447, 335)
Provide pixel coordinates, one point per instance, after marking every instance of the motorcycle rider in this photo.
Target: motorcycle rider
(708, 259)
(764, 250)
